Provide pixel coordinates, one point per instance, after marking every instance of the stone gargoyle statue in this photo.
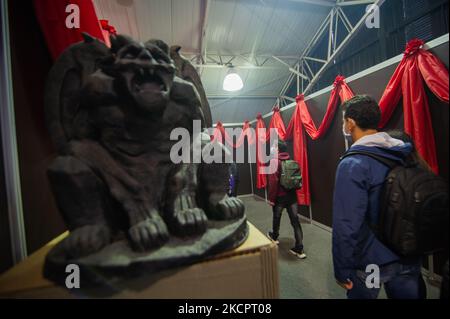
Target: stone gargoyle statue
(110, 113)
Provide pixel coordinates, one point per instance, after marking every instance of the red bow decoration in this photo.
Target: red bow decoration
(413, 46)
(106, 26)
(339, 80)
(299, 98)
(259, 116)
(276, 108)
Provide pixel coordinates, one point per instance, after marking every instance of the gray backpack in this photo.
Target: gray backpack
(290, 177)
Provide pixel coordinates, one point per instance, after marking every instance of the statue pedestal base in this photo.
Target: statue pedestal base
(248, 271)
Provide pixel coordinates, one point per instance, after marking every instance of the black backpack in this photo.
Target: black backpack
(414, 216)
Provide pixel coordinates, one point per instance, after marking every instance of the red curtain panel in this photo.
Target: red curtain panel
(52, 16)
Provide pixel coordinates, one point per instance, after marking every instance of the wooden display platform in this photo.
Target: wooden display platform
(249, 271)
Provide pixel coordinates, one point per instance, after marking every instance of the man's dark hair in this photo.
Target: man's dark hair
(282, 146)
(364, 110)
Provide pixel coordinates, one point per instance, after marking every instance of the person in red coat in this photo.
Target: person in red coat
(280, 198)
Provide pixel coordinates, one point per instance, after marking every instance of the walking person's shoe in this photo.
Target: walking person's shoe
(273, 238)
(299, 252)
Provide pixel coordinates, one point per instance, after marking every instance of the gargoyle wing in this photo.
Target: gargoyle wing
(62, 92)
(187, 71)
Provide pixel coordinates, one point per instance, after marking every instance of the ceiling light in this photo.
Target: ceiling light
(232, 81)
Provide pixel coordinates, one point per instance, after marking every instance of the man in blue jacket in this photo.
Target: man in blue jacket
(357, 253)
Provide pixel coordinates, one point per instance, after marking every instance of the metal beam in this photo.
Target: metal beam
(315, 59)
(291, 69)
(348, 25)
(222, 66)
(354, 2)
(287, 98)
(309, 68)
(330, 33)
(202, 56)
(340, 47)
(226, 96)
(321, 3)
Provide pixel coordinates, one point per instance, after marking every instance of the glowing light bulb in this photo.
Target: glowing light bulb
(232, 81)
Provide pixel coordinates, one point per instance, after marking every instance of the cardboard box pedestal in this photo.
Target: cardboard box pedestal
(249, 271)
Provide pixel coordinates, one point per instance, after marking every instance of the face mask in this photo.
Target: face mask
(347, 135)
(344, 131)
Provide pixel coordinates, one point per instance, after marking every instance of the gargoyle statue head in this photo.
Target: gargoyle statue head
(144, 71)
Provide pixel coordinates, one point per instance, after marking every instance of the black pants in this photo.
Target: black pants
(292, 209)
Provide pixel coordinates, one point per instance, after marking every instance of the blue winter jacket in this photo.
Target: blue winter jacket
(359, 179)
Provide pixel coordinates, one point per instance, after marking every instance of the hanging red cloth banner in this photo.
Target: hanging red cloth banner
(261, 139)
(262, 136)
(302, 119)
(417, 65)
(277, 123)
(52, 16)
(296, 131)
(221, 134)
(342, 92)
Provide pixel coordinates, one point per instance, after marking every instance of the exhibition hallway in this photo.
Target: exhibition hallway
(311, 278)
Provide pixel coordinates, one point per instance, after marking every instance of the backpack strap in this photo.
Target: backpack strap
(386, 161)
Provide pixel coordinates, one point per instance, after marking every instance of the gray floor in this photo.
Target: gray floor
(309, 278)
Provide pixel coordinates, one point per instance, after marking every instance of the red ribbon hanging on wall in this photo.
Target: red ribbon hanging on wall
(406, 82)
(261, 138)
(222, 135)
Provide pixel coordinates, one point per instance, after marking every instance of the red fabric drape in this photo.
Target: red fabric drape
(221, 134)
(302, 119)
(52, 16)
(261, 138)
(296, 132)
(341, 91)
(417, 64)
(277, 123)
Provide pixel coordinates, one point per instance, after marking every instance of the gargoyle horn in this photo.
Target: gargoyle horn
(87, 37)
(176, 48)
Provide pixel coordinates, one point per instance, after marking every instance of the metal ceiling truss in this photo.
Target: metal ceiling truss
(302, 72)
(251, 61)
(304, 69)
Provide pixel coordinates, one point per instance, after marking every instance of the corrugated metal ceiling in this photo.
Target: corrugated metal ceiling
(242, 28)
